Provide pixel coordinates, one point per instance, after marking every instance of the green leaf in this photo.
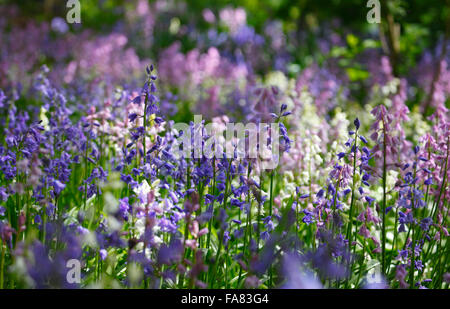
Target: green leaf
(355, 74)
(352, 41)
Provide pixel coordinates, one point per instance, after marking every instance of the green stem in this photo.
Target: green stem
(222, 232)
(350, 226)
(208, 240)
(383, 229)
(2, 266)
(296, 216)
(247, 226)
(145, 127)
(270, 214)
(86, 168)
(394, 242)
(216, 261)
(413, 227)
(361, 261)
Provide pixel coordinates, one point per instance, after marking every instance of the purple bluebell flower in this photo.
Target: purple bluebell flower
(356, 123)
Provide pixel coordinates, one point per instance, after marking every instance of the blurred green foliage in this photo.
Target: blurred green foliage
(421, 22)
(429, 14)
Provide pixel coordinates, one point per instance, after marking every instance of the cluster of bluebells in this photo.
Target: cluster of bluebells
(91, 168)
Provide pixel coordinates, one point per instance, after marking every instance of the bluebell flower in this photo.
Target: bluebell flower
(369, 199)
(363, 139)
(426, 223)
(356, 123)
(308, 218)
(429, 181)
(226, 238)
